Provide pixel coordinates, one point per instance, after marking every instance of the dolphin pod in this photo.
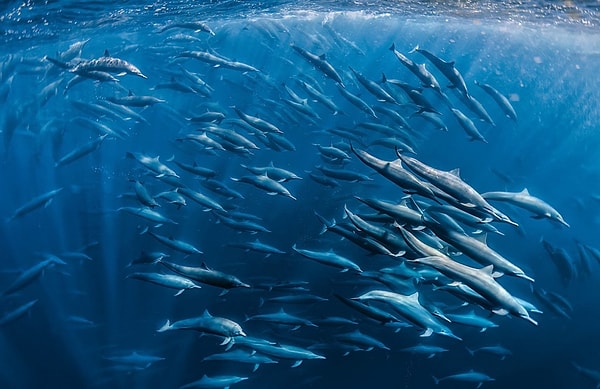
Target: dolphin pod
(216, 149)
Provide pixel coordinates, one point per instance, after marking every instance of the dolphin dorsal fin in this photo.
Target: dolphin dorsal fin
(482, 238)
(106, 53)
(130, 93)
(455, 172)
(323, 57)
(204, 266)
(525, 192)
(414, 296)
(489, 269)
(206, 313)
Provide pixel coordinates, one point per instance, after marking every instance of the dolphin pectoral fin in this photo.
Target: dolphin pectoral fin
(500, 312)
(297, 363)
(256, 366)
(469, 205)
(121, 74)
(226, 341)
(427, 333)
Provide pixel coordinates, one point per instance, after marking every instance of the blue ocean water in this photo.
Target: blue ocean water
(89, 314)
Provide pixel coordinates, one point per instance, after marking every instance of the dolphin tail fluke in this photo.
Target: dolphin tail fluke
(471, 352)
(165, 327)
(326, 223)
(414, 49)
(435, 379)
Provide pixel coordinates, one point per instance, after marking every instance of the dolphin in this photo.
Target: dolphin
(257, 246)
(500, 99)
(320, 97)
(206, 275)
(411, 309)
(453, 185)
(148, 214)
(480, 280)
(476, 249)
(447, 68)
(201, 198)
(132, 100)
(166, 280)
(395, 172)
(197, 26)
(472, 320)
(217, 61)
(429, 350)
(497, 350)
(42, 200)
(31, 274)
(282, 317)
(242, 225)
(374, 88)
(279, 350)
(256, 122)
(329, 258)
(427, 79)
(208, 324)
(320, 62)
(109, 64)
(468, 125)
(175, 244)
(469, 376)
(374, 313)
(81, 151)
(230, 135)
(363, 341)
(17, 313)
(153, 164)
(143, 195)
(267, 184)
(357, 102)
(241, 356)
(204, 140)
(275, 173)
(523, 199)
(134, 359)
